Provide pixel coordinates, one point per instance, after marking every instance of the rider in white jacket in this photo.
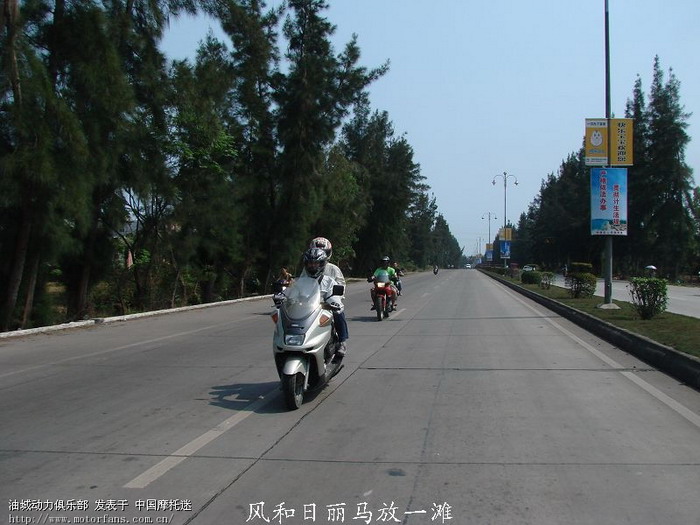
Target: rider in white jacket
(331, 270)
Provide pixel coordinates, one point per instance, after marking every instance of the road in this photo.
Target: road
(471, 405)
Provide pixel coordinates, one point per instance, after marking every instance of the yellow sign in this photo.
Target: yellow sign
(596, 142)
(621, 141)
(505, 234)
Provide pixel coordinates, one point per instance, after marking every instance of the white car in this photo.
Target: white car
(468, 266)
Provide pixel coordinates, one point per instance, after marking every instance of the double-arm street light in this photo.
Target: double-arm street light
(489, 214)
(505, 178)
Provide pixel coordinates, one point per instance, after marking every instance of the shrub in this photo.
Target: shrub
(649, 296)
(546, 280)
(531, 277)
(581, 284)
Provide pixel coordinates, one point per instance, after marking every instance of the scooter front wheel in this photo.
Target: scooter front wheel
(293, 390)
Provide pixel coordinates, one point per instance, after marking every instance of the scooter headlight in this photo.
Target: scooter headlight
(294, 339)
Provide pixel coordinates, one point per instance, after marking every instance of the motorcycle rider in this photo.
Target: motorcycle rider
(331, 270)
(399, 273)
(278, 287)
(385, 266)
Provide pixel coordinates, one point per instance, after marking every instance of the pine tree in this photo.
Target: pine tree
(313, 98)
(670, 177)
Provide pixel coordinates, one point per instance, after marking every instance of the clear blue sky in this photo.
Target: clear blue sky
(485, 87)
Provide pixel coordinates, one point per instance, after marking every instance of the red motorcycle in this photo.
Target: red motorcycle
(383, 295)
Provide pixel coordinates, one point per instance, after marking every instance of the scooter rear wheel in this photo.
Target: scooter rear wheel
(293, 390)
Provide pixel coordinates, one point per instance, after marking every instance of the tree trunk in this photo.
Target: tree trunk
(15, 279)
(31, 289)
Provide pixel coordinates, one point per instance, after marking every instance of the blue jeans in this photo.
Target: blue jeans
(341, 326)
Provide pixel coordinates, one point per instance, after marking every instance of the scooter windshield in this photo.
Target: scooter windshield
(382, 276)
(303, 297)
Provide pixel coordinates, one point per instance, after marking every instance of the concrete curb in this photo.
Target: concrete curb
(681, 366)
(103, 320)
(119, 318)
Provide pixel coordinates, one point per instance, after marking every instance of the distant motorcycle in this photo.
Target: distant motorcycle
(305, 341)
(435, 270)
(383, 295)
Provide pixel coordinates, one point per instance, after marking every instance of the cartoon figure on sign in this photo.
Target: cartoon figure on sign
(596, 138)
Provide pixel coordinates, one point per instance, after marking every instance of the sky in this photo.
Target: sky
(483, 88)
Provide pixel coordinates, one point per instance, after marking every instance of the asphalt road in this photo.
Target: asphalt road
(470, 405)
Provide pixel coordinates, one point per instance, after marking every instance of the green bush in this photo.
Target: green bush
(531, 277)
(581, 284)
(649, 296)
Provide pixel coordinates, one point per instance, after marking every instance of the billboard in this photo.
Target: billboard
(609, 201)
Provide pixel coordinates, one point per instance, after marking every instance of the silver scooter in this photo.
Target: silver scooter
(305, 341)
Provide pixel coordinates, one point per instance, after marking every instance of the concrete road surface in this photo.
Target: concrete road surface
(470, 405)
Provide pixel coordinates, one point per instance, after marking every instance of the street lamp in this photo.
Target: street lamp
(489, 213)
(505, 178)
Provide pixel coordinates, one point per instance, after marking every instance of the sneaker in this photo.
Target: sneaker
(342, 349)
(373, 308)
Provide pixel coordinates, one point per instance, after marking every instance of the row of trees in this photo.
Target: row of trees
(138, 183)
(663, 204)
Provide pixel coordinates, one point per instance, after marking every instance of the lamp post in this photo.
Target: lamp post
(489, 213)
(505, 178)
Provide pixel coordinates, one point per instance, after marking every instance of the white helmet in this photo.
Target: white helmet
(324, 244)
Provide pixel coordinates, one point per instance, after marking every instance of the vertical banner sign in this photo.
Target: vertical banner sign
(596, 153)
(609, 201)
(621, 141)
(505, 249)
(489, 252)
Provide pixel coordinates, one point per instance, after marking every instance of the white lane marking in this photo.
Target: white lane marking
(393, 316)
(681, 410)
(181, 454)
(123, 347)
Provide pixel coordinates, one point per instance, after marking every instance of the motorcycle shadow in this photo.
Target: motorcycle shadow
(244, 394)
(238, 396)
(371, 318)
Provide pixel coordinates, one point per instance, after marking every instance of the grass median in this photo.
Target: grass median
(677, 331)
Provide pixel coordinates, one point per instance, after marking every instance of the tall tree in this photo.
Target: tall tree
(670, 222)
(313, 98)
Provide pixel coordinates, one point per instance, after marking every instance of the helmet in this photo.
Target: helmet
(324, 244)
(315, 262)
(386, 260)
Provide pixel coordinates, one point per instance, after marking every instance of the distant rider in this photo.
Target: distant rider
(393, 277)
(399, 273)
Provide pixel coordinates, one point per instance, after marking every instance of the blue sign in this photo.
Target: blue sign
(609, 201)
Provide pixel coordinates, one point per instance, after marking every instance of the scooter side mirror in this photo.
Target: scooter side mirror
(338, 289)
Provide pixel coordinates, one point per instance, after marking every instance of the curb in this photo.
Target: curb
(119, 318)
(681, 366)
